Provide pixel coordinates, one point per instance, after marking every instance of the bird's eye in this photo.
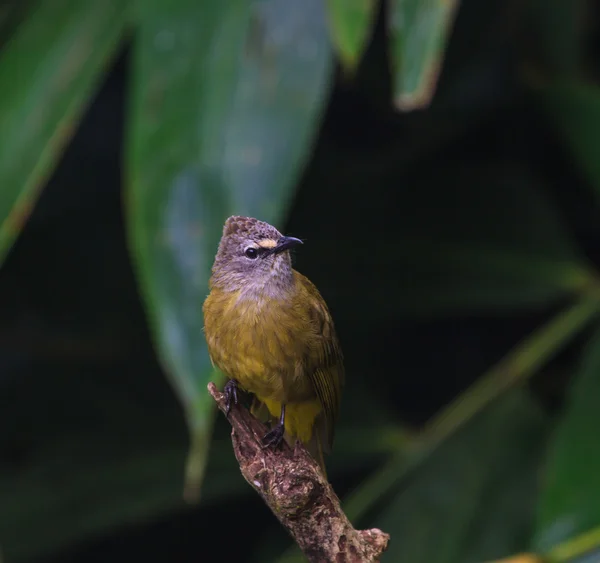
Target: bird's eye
(251, 252)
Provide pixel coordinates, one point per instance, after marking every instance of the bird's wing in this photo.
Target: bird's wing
(324, 361)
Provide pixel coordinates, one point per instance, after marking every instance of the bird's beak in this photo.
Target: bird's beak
(285, 243)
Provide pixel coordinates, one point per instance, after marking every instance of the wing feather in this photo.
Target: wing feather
(324, 360)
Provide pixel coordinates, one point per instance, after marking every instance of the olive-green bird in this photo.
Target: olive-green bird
(269, 331)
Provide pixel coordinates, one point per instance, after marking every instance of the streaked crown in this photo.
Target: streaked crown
(251, 228)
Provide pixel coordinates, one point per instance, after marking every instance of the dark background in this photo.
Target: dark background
(81, 385)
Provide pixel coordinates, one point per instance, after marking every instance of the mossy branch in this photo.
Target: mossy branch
(294, 488)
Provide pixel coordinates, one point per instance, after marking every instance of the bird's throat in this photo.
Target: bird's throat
(278, 285)
(274, 288)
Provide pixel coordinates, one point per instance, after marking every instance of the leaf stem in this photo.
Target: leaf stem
(575, 547)
(200, 440)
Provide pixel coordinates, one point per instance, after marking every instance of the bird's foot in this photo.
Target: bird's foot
(274, 437)
(231, 394)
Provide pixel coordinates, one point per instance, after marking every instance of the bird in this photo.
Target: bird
(269, 331)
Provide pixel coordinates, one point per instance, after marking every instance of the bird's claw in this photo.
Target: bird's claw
(273, 438)
(231, 395)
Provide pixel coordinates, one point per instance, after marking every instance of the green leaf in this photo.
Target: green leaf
(473, 500)
(226, 100)
(48, 71)
(419, 31)
(574, 108)
(351, 22)
(569, 500)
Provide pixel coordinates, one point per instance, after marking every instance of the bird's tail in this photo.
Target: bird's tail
(317, 444)
(315, 449)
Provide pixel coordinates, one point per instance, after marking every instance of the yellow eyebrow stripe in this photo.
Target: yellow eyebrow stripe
(267, 243)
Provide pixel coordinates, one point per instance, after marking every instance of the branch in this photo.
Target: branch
(294, 488)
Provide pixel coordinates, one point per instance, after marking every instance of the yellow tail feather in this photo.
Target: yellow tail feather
(315, 449)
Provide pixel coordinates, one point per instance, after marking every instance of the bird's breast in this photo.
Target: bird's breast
(258, 341)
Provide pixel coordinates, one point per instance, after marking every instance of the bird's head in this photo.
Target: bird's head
(252, 254)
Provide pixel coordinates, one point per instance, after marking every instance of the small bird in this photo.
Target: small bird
(269, 331)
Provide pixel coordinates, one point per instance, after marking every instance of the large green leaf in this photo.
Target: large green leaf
(226, 99)
(351, 22)
(569, 501)
(48, 70)
(474, 499)
(419, 30)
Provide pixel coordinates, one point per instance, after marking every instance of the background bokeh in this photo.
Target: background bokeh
(440, 160)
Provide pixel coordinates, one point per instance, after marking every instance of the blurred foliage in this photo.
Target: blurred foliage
(568, 506)
(409, 222)
(419, 30)
(48, 69)
(575, 108)
(351, 23)
(482, 505)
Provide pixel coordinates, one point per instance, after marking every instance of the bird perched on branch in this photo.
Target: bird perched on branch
(269, 331)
